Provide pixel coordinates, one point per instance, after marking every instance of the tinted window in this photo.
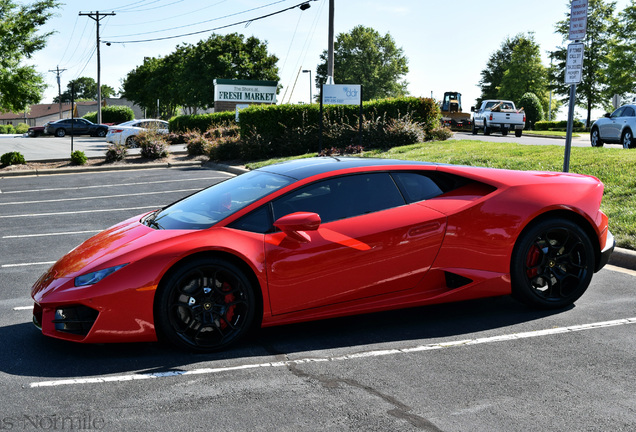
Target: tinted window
(207, 207)
(628, 112)
(258, 221)
(618, 112)
(342, 197)
(416, 187)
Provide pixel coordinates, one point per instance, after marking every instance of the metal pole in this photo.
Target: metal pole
(330, 45)
(568, 134)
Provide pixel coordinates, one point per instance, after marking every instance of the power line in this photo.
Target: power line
(302, 6)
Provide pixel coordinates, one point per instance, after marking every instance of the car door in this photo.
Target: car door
(370, 242)
(612, 129)
(80, 127)
(627, 121)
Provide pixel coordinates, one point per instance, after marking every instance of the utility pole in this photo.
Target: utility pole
(58, 71)
(330, 44)
(96, 16)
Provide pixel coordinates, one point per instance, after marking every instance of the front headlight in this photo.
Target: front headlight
(94, 277)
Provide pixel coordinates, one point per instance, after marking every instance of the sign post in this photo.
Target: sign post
(340, 94)
(574, 67)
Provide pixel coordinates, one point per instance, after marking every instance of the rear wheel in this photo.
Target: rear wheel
(486, 129)
(205, 305)
(627, 139)
(504, 132)
(60, 132)
(552, 264)
(595, 138)
(518, 133)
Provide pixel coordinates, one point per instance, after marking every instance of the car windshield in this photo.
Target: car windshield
(209, 206)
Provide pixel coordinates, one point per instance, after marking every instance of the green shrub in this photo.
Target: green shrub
(112, 114)
(12, 158)
(78, 157)
(116, 152)
(200, 122)
(226, 148)
(560, 125)
(21, 128)
(153, 145)
(439, 134)
(532, 108)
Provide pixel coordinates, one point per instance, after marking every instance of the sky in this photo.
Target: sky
(447, 43)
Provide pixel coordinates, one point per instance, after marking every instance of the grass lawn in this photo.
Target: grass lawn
(616, 168)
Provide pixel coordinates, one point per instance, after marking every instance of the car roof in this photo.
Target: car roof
(308, 167)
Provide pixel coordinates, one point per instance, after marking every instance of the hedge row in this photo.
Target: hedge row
(112, 114)
(561, 125)
(200, 122)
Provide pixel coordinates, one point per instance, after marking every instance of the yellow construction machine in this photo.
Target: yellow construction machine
(452, 115)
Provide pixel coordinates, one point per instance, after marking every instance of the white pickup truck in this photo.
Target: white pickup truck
(498, 115)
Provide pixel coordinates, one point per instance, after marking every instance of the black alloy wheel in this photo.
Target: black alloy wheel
(204, 306)
(552, 264)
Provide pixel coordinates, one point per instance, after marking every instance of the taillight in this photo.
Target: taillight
(115, 130)
(490, 118)
(524, 118)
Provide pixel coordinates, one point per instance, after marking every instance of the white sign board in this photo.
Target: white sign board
(574, 63)
(245, 93)
(578, 20)
(341, 94)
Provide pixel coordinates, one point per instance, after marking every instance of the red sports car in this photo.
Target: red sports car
(327, 237)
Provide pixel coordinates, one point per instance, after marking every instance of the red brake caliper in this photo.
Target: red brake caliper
(532, 260)
(228, 298)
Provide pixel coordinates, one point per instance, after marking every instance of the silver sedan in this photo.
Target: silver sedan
(616, 128)
(126, 133)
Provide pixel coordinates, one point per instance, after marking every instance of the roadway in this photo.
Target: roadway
(482, 365)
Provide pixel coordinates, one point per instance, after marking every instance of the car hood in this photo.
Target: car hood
(119, 244)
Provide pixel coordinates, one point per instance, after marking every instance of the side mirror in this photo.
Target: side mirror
(472, 109)
(608, 115)
(294, 225)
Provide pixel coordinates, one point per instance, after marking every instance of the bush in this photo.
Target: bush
(21, 128)
(12, 158)
(7, 129)
(200, 122)
(78, 157)
(439, 134)
(116, 152)
(533, 109)
(560, 125)
(196, 143)
(153, 144)
(112, 114)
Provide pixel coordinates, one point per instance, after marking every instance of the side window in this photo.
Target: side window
(342, 197)
(258, 221)
(416, 187)
(618, 112)
(629, 112)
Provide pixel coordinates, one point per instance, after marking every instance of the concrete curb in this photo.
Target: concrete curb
(623, 258)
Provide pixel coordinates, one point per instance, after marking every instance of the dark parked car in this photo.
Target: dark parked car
(78, 126)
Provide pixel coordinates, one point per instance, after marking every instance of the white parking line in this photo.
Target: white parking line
(49, 234)
(20, 308)
(353, 356)
(100, 197)
(27, 264)
(102, 186)
(81, 211)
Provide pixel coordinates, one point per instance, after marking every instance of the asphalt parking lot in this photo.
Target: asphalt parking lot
(476, 366)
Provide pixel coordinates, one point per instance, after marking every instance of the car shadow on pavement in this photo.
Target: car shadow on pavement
(26, 352)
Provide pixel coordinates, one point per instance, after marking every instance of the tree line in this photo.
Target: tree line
(515, 69)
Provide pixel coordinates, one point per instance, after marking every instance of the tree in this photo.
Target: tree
(513, 70)
(622, 57)
(21, 85)
(593, 91)
(185, 77)
(363, 56)
(525, 73)
(85, 89)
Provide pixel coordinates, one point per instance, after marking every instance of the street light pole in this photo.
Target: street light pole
(311, 85)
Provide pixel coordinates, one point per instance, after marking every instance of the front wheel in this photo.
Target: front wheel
(205, 305)
(131, 142)
(595, 138)
(552, 264)
(474, 129)
(628, 139)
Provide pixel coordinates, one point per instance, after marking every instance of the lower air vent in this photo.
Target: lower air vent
(456, 281)
(76, 319)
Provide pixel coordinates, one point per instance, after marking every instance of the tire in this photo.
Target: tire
(204, 306)
(60, 132)
(486, 129)
(101, 133)
(474, 129)
(504, 133)
(131, 142)
(627, 139)
(518, 133)
(552, 264)
(595, 138)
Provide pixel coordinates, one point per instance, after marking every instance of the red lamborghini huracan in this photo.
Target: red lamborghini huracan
(327, 237)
